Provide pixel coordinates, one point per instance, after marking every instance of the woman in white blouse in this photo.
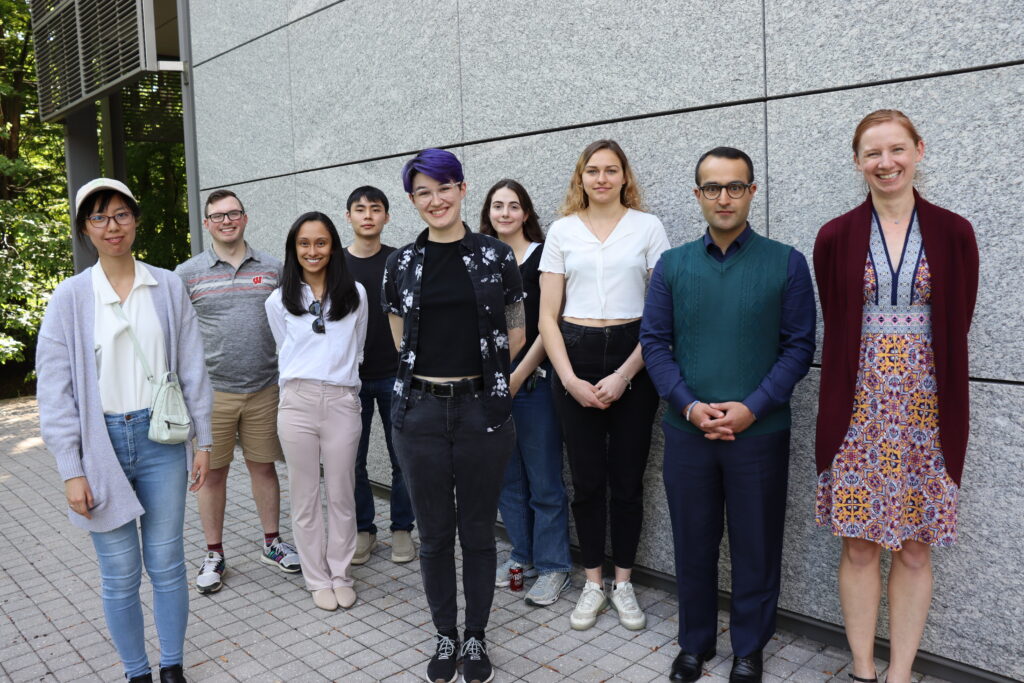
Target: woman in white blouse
(594, 269)
(109, 333)
(318, 318)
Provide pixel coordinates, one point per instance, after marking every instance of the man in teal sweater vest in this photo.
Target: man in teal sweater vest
(727, 332)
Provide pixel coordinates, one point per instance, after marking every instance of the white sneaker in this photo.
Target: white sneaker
(624, 602)
(591, 603)
(210, 573)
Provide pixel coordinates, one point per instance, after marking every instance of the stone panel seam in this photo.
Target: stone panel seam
(764, 82)
(273, 30)
(462, 90)
(640, 117)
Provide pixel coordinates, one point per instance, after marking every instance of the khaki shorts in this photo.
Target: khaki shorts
(249, 419)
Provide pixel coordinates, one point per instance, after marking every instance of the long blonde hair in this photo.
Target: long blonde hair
(576, 199)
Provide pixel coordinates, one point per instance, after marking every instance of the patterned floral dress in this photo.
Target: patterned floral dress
(888, 482)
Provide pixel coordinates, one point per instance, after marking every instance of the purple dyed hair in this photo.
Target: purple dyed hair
(439, 164)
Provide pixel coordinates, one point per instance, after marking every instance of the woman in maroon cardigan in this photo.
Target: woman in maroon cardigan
(897, 277)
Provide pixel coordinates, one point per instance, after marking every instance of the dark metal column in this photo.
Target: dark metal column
(188, 112)
(82, 154)
(114, 165)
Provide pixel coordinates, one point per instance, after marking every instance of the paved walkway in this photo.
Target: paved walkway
(262, 626)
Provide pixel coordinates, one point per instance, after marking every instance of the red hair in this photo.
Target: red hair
(881, 116)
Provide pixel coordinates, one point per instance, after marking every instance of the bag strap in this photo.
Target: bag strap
(135, 340)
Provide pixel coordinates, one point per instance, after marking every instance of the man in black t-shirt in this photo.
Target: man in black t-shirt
(367, 212)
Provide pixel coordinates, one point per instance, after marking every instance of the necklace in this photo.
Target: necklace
(594, 228)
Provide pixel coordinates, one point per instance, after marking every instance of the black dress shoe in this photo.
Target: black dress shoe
(172, 674)
(144, 678)
(747, 669)
(688, 666)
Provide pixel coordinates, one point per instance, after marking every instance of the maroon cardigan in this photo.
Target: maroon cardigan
(840, 252)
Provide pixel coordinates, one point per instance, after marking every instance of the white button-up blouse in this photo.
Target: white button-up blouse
(604, 280)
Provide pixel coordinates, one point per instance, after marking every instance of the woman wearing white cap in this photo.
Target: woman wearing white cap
(110, 334)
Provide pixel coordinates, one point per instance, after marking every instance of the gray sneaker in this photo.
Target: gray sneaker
(501, 574)
(547, 588)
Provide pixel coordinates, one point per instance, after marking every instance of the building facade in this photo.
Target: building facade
(298, 103)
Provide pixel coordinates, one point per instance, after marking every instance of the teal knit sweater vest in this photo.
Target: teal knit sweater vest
(727, 322)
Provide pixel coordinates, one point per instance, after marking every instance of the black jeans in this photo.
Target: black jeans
(607, 448)
(454, 468)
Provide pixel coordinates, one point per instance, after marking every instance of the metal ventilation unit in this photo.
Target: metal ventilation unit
(88, 48)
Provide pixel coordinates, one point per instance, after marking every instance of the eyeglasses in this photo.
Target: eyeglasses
(445, 192)
(318, 325)
(100, 220)
(734, 190)
(230, 215)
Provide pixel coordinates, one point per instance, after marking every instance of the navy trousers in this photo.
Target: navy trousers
(746, 478)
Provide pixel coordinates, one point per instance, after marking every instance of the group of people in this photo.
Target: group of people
(487, 350)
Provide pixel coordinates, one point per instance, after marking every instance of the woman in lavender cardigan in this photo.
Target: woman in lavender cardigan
(94, 405)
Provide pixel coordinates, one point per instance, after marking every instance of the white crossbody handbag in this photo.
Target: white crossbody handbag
(169, 421)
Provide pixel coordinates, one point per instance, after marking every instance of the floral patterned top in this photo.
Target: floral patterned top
(497, 284)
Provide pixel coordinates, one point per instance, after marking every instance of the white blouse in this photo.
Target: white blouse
(332, 357)
(604, 280)
(124, 386)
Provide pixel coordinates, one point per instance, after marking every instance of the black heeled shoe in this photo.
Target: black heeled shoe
(144, 678)
(858, 679)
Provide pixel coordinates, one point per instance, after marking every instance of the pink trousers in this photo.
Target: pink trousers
(321, 421)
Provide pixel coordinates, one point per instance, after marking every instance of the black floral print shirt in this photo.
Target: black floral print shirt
(497, 284)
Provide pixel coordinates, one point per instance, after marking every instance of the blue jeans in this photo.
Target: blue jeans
(158, 474)
(533, 503)
(402, 517)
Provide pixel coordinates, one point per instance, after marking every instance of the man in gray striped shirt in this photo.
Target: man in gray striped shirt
(228, 284)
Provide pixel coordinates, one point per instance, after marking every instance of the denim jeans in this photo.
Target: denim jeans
(454, 467)
(607, 449)
(402, 517)
(533, 503)
(158, 474)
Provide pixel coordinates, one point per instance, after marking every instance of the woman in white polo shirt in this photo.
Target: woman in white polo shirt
(594, 269)
(318, 319)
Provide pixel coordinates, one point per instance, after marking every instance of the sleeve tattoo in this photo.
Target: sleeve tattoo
(515, 315)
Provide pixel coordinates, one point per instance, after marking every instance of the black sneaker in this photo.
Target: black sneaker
(442, 667)
(476, 666)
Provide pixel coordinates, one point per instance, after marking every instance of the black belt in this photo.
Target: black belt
(461, 387)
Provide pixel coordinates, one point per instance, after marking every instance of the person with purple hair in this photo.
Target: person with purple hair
(454, 299)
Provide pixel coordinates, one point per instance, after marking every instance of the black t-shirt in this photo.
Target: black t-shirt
(531, 304)
(449, 335)
(380, 359)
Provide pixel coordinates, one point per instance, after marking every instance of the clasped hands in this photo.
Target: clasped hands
(721, 421)
(601, 395)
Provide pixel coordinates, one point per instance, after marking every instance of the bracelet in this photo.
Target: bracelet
(629, 384)
(689, 408)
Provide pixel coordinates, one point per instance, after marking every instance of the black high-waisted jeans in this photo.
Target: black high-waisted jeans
(607, 448)
(454, 467)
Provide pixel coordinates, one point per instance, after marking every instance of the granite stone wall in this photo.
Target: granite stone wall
(297, 103)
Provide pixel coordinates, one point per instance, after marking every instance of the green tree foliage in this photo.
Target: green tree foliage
(35, 232)
(156, 175)
(34, 235)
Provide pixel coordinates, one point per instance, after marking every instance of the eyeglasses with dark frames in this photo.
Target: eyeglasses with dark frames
(233, 215)
(734, 190)
(100, 220)
(317, 310)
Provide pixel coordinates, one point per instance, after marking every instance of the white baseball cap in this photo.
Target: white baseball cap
(101, 184)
